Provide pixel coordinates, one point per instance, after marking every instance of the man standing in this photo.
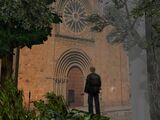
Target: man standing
(92, 88)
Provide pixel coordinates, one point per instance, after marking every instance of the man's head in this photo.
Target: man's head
(92, 69)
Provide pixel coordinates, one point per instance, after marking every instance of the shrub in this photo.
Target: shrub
(52, 108)
(11, 105)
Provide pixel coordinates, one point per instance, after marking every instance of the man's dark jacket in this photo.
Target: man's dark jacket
(93, 84)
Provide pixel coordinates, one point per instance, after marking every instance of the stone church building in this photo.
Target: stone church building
(62, 63)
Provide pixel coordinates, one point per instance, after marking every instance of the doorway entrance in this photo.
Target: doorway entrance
(75, 87)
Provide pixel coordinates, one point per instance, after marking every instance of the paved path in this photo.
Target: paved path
(118, 113)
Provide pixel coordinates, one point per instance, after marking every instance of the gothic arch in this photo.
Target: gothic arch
(70, 58)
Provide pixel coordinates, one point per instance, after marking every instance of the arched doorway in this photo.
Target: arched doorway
(75, 87)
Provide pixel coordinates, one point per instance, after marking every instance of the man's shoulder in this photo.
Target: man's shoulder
(96, 74)
(93, 74)
(90, 74)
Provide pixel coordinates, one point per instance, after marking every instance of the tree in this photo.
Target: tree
(150, 8)
(118, 14)
(124, 28)
(23, 23)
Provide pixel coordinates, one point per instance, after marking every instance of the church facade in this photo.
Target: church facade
(62, 63)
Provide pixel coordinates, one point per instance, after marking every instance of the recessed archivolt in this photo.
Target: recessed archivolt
(69, 59)
(74, 57)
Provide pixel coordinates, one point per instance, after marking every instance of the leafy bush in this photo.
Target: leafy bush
(11, 106)
(75, 114)
(53, 108)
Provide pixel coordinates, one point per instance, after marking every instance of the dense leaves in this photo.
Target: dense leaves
(98, 22)
(117, 14)
(52, 108)
(11, 107)
(24, 23)
(150, 8)
(27, 14)
(147, 7)
(75, 114)
(49, 1)
(123, 17)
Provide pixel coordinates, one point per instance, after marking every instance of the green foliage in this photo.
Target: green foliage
(98, 22)
(49, 1)
(27, 14)
(75, 114)
(147, 7)
(150, 8)
(11, 107)
(11, 38)
(25, 23)
(119, 3)
(123, 16)
(53, 108)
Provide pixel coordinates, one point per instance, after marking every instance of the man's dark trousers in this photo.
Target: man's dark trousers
(90, 103)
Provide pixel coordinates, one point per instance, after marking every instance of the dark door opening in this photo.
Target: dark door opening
(75, 87)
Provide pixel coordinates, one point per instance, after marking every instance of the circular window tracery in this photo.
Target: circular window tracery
(74, 15)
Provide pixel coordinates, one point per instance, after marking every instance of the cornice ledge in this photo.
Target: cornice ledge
(75, 38)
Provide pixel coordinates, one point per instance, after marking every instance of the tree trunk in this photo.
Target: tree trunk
(16, 65)
(154, 82)
(153, 68)
(6, 68)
